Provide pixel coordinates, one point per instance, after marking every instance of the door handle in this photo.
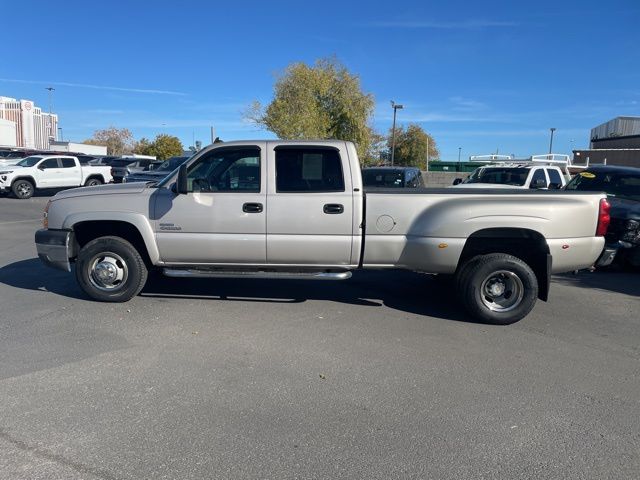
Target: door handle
(252, 208)
(333, 208)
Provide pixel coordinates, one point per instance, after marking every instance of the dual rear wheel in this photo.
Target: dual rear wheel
(497, 288)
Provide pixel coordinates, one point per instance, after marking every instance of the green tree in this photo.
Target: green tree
(163, 146)
(143, 147)
(320, 101)
(119, 141)
(411, 146)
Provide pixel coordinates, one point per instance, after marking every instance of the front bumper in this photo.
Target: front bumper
(55, 248)
(608, 255)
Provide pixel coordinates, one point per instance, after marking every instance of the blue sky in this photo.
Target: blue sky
(478, 75)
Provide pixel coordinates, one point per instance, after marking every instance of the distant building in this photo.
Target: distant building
(621, 132)
(616, 142)
(33, 127)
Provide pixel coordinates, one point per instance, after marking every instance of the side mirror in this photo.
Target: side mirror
(538, 184)
(555, 186)
(457, 181)
(41, 167)
(182, 186)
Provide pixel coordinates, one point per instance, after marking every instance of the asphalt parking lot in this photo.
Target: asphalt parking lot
(378, 377)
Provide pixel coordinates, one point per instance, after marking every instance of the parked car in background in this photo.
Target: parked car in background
(533, 174)
(156, 172)
(105, 160)
(122, 167)
(50, 171)
(622, 186)
(392, 177)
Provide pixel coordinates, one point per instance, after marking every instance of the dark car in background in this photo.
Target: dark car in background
(622, 186)
(122, 167)
(392, 177)
(158, 172)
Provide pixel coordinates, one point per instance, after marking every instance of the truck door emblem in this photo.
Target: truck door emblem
(169, 226)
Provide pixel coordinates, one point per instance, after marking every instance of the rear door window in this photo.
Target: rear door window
(308, 170)
(68, 163)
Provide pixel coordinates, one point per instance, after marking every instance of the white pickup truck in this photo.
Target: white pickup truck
(50, 171)
(296, 209)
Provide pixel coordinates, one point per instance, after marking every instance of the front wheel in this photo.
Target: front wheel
(498, 288)
(110, 269)
(23, 189)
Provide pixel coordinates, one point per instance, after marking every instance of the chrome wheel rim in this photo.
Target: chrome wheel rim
(108, 271)
(24, 189)
(502, 291)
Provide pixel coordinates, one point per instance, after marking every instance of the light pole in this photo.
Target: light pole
(459, 153)
(427, 153)
(50, 123)
(395, 107)
(551, 140)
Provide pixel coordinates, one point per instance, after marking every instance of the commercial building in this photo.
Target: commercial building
(616, 142)
(33, 127)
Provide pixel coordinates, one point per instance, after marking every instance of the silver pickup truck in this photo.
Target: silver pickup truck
(297, 209)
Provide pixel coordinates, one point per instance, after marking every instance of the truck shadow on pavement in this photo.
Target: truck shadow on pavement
(399, 290)
(625, 283)
(31, 274)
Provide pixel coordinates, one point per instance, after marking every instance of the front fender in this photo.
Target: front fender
(136, 219)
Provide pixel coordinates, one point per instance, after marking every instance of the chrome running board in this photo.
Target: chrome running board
(201, 273)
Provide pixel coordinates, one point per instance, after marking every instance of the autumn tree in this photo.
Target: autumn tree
(119, 141)
(162, 147)
(323, 101)
(411, 146)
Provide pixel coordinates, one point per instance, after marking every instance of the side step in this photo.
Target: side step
(196, 273)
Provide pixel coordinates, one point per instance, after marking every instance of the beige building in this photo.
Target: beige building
(33, 127)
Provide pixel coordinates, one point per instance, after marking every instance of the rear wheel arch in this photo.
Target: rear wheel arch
(528, 245)
(98, 177)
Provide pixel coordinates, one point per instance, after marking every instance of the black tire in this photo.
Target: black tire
(92, 182)
(23, 189)
(110, 269)
(497, 288)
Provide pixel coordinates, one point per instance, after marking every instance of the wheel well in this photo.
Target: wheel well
(33, 182)
(84, 232)
(528, 245)
(95, 176)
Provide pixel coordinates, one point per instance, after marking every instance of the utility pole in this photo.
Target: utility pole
(50, 121)
(395, 107)
(551, 140)
(459, 153)
(213, 134)
(427, 152)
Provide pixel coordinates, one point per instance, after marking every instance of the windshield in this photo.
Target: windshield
(382, 178)
(29, 161)
(625, 185)
(499, 175)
